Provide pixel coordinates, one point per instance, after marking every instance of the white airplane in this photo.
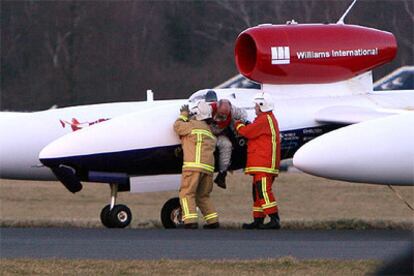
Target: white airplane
(320, 78)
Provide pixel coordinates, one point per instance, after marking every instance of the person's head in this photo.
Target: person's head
(201, 111)
(211, 96)
(263, 102)
(223, 109)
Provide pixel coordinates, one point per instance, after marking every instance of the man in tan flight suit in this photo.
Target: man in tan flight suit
(198, 145)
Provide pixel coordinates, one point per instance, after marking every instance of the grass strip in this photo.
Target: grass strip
(280, 266)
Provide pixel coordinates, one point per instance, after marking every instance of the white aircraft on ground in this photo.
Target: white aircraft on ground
(320, 78)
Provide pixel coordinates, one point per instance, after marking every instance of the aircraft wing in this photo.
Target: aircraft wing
(348, 115)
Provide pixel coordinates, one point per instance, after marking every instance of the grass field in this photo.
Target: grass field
(301, 198)
(283, 266)
(304, 202)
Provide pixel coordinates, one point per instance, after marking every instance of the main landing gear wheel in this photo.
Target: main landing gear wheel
(119, 217)
(171, 213)
(115, 216)
(105, 216)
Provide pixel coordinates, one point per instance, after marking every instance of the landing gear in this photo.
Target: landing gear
(115, 216)
(119, 216)
(171, 214)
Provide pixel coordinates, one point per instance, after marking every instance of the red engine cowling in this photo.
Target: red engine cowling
(311, 53)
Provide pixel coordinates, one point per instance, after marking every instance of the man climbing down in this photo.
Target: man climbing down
(263, 157)
(224, 114)
(198, 145)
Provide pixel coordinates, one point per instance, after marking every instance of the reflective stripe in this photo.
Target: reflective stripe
(257, 209)
(264, 191)
(272, 169)
(261, 169)
(239, 126)
(270, 205)
(204, 132)
(184, 118)
(185, 206)
(190, 216)
(211, 216)
(190, 165)
(198, 148)
(197, 162)
(186, 211)
(274, 142)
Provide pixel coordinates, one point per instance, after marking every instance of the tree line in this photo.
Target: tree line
(80, 52)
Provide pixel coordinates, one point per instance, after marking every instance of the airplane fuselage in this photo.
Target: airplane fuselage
(142, 141)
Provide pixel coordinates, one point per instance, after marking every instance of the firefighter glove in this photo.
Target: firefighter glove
(185, 109)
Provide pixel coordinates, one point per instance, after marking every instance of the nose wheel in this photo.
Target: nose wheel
(113, 215)
(171, 213)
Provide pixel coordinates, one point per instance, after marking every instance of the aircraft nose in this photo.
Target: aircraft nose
(118, 144)
(317, 157)
(377, 151)
(54, 153)
(343, 154)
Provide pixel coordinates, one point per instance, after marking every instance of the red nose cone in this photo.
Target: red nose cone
(314, 53)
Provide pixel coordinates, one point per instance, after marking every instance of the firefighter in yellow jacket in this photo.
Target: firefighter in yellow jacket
(198, 145)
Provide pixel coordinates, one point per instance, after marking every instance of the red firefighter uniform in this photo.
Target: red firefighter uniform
(263, 158)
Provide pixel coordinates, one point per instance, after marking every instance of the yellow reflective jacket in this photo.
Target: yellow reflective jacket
(198, 144)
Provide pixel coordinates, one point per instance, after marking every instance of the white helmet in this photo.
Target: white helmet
(201, 111)
(264, 101)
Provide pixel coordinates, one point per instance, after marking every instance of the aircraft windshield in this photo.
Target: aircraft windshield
(403, 80)
(220, 94)
(198, 96)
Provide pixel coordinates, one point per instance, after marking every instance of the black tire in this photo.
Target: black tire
(105, 217)
(120, 216)
(171, 214)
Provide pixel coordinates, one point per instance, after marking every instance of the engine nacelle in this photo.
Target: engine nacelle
(311, 53)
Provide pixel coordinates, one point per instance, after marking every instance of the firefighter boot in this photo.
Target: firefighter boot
(254, 225)
(187, 226)
(274, 222)
(211, 226)
(191, 226)
(220, 179)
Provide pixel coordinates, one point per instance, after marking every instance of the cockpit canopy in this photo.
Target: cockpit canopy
(212, 95)
(400, 79)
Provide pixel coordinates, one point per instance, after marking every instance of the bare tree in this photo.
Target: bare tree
(68, 52)
(55, 46)
(63, 43)
(238, 9)
(408, 6)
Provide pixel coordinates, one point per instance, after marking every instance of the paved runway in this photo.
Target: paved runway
(200, 244)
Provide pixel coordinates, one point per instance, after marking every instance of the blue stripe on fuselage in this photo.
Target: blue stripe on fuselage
(168, 159)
